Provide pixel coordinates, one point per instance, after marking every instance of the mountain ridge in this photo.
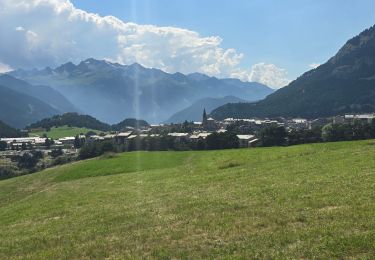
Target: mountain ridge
(344, 84)
(18, 109)
(111, 91)
(44, 93)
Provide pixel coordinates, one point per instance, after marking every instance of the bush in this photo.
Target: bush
(27, 161)
(217, 141)
(56, 152)
(62, 160)
(6, 173)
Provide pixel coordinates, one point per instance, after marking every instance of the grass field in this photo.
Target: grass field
(63, 131)
(301, 202)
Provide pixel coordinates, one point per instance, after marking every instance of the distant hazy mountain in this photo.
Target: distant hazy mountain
(111, 92)
(18, 109)
(195, 111)
(44, 93)
(345, 84)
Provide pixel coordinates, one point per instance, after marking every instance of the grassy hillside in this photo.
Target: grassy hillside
(297, 202)
(63, 131)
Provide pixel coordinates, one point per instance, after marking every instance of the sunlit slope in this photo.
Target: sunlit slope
(297, 202)
(63, 131)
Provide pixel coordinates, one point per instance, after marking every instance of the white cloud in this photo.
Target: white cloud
(314, 65)
(268, 74)
(20, 29)
(57, 32)
(4, 68)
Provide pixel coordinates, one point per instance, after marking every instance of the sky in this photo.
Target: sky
(269, 41)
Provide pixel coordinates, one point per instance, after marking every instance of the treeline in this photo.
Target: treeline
(214, 141)
(71, 119)
(86, 121)
(347, 132)
(129, 122)
(278, 136)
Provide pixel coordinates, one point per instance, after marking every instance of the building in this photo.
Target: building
(246, 140)
(204, 118)
(67, 140)
(179, 136)
(196, 136)
(15, 143)
(121, 137)
(210, 123)
(367, 118)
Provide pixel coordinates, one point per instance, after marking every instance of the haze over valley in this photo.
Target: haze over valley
(189, 129)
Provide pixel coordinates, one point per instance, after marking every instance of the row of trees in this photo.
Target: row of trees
(163, 143)
(278, 136)
(347, 132)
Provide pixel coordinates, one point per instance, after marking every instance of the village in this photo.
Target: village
(246, 131)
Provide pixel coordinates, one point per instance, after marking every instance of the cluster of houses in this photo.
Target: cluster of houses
(26, 143)
(200, 131)
(125, 137)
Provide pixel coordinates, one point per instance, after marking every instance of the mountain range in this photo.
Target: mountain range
(344, 84)
(112, 92)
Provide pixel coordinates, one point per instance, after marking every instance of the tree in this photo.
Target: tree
(37, 154)
(77, 142)
(107, 146)
(48, 142)
(303, 136)
(337, 132)
(27, 161)
(226, 140)
(57, 152)
(187, 127)
(201, 144)
(273, 136)
(3, 145)
(23, 147)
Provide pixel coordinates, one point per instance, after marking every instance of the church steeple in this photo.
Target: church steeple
(204, 120)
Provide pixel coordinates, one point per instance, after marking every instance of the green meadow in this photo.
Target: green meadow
(63, 131)
(300, 202)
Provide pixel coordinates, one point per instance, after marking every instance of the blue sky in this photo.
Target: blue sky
(291, 33)
(267, 41)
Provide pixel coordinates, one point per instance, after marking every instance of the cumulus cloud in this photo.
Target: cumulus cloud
(268, 74)
(52, 32)
(4, 68)
(314, 65)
